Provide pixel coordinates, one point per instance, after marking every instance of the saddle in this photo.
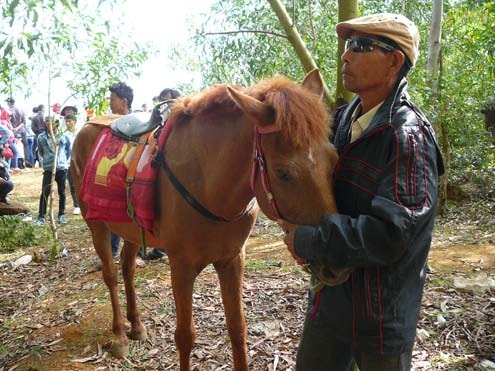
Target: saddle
(119, 179)
(132, 126)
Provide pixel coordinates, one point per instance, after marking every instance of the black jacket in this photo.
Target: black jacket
(386, 190)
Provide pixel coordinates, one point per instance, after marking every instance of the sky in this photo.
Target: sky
(163, 22)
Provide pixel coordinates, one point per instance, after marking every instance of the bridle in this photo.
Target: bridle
(257, 168)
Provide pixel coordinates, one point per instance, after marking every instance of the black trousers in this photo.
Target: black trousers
(319, 350)
(60, 179)
(72, 189)
(6, 186)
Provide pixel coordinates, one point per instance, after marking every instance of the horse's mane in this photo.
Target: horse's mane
(294, 107)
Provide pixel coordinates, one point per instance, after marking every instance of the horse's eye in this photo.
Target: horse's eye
(283, 175)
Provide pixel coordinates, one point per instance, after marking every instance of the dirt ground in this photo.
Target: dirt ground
(57, 315)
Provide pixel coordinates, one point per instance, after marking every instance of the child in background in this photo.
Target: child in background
(19, 146)
(47, 152)
(70, 122)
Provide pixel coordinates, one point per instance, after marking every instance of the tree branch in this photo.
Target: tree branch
(247, 31)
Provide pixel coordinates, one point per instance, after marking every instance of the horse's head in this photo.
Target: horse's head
(293, 124)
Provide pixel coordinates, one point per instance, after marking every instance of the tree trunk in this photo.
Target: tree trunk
(446, 161)
(348, 9)
(297, 43)
(433, 67)
(434, 47)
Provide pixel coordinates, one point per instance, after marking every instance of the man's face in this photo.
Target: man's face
(118, 105)
(365, 71)
(165, 97)
(71, 124)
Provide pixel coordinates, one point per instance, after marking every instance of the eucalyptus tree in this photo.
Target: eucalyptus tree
(70, 39)
(242, 41)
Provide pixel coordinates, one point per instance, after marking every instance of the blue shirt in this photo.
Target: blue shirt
(47, 151)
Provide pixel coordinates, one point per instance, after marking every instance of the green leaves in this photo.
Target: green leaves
(244, 42)
(69, 41)
(15, 233)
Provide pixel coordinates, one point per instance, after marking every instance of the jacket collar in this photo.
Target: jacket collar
(382, 117)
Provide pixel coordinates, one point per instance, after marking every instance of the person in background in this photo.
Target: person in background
(11, 153)
(386, 190)
(121, 97)
(47, 152)
(30, 139)
(89, 113)
(20, 153)
(70, 123)
(5, 131)
(38, 126)
(18, 121)
(68, 110)
(165, 95)
(6, 185)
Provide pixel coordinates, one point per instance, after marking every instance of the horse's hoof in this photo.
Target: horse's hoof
(119, 351)
(139, 335)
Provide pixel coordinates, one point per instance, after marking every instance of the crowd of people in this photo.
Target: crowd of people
(27, 142)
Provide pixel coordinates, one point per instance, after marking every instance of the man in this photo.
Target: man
(386, 191)
(121, 97)
(18, 121)
(38, 126)
(165, 95)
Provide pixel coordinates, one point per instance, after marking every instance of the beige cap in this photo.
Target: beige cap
(396, 27)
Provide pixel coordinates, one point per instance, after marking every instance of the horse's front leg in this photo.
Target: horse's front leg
(128, 262)
(183, 277)
(230, 273)
(101, 241)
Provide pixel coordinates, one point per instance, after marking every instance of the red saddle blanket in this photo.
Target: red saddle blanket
(105, 182)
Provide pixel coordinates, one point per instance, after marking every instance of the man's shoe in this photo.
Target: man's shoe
(140, 262)
(39, 221)
(5, 200)
(76, 211)
(61, 219)
(155, 254)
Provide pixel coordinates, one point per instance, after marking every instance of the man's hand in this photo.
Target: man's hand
(290, 233)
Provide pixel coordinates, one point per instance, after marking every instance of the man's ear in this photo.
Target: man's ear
(399, 58)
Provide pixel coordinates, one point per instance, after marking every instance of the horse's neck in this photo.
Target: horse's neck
(214, 162)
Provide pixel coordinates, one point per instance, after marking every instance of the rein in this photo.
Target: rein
(159, 159)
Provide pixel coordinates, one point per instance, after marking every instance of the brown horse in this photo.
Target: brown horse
(210, 151)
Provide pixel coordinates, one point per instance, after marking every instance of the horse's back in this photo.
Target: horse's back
(81, 149)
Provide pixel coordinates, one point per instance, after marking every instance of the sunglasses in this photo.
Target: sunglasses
(366, 44)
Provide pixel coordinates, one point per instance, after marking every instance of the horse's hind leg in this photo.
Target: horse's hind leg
(230, 274)
(101, 241)
(128, 262)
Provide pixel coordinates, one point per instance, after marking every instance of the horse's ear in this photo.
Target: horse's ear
(313, 82)
(258, 112)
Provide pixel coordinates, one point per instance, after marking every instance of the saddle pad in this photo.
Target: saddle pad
(104, 185)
